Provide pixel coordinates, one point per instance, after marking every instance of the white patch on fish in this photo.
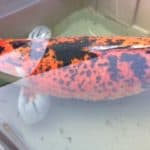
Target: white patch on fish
(107, 47)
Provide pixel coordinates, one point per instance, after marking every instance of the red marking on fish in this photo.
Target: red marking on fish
(86, 68)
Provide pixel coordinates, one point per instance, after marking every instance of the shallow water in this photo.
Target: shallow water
(111, 125)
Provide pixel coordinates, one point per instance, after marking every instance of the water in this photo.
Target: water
(113, 125)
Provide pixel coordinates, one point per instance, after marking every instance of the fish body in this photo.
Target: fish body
(84, 68)
(80, 68)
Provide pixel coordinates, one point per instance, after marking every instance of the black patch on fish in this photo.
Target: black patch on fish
(20, 43)
(1, 49)
(67, 51)
(116, 42)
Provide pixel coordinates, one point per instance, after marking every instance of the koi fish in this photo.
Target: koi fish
(81, 68)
